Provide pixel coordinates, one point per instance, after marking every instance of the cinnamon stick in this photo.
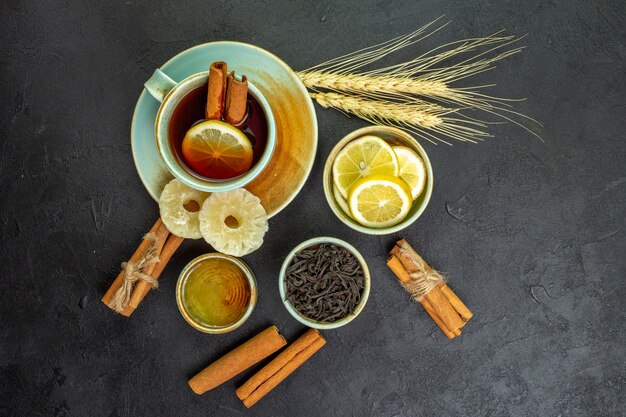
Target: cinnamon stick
(238, 360)
(143, 288)
(275, 365)
(431, 312)
(427, 287)
(402, 274)
(166, 245)
(397, 268)
(443, 309)
(216, 91)
(456, 302)
(261, 383)
(236, 100)
(171, 246)
(160, 232)
(410, 259)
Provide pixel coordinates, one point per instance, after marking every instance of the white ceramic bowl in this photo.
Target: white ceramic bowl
(305, 320)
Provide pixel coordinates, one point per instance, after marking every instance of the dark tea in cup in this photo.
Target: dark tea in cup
(190, 112)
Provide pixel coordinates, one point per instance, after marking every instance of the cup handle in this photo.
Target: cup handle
(159, 85)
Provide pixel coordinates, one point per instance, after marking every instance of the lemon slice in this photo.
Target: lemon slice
(380, 201)
(412, 169)
(341, 202)
(362, 157)
(217, 150)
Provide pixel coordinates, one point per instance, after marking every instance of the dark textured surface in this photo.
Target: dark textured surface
(532, 235)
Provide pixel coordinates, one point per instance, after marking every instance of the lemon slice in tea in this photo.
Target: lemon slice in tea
(362, 157)
(380, 201)
(217, 150)
(412, 169)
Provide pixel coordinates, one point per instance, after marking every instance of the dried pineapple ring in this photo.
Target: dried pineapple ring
(233, 222)
(178, 211)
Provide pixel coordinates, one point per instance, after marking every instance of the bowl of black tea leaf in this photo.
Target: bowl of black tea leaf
(324, 283)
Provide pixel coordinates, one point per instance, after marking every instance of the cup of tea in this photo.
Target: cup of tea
(182, 107)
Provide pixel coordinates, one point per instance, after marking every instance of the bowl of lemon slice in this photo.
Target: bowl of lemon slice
(378, 180)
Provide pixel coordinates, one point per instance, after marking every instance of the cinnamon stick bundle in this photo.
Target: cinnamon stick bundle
(141, 272)
(427, 287)
(290, 359)
(238, 360)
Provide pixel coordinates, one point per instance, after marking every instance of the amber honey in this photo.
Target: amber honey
(216, 292)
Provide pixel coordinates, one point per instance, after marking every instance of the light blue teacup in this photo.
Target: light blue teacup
(170, 93)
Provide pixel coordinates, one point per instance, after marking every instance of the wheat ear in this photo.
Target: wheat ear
(409, 84)
(425, 120)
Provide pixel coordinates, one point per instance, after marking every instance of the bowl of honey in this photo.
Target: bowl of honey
(183, 108)
(216, 293)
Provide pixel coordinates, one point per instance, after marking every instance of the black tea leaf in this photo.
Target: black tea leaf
(324, 282)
